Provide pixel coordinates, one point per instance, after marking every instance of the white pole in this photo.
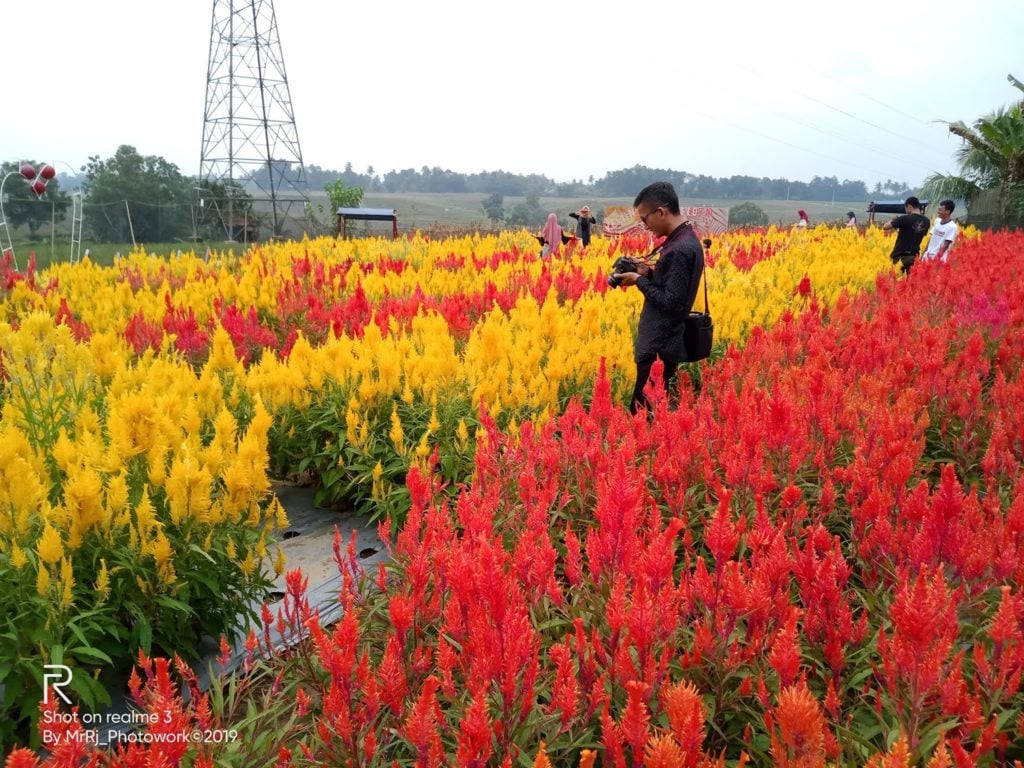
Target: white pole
(131, 229)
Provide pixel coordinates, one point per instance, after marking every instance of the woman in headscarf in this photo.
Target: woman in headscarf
(551, 237)
(804, 221)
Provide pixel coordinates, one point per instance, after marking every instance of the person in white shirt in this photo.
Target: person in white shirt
(851, 222)
(944, 231)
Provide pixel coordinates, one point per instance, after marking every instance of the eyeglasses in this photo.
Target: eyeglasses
(643, 216)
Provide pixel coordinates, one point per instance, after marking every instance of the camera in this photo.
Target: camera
(621, 265)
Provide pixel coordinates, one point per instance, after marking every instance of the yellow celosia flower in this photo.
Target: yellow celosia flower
(117, 496)
(377, 488)
(49, 548)
(83, 498)
(352, 422)
(67, 579)
(397, 434)
(42, 581)
(134, 424)
(278, 513)
(279, 562)
(145, 518)
(248, 565)
(18, 556)
(222, 352)
(64, 452)
(103, 580)
(156, 461)
(161, 549)
(188, 490)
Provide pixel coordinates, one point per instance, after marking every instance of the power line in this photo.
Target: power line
(798, 147)
(839, 110)
(845, 138)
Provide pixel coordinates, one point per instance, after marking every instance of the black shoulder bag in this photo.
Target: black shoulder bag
(699, 333)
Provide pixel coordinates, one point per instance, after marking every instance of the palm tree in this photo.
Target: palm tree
(991, 158)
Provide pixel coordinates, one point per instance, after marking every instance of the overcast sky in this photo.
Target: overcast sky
(788, 89)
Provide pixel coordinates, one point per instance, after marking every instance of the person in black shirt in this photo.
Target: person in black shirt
(584, 221)
(910, 228)
(669, 287)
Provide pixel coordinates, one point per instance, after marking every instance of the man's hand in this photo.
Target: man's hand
(628, 278)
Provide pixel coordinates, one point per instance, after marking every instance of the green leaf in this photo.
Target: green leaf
(78, 633)
(174, 605)
(142, 633)
(89, 652)
(200, 551)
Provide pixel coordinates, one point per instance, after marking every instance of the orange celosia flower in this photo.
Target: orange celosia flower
(897, 757)
(801, 722)
(542, 758)
(941, 758)
(686, 715)
(663, 752)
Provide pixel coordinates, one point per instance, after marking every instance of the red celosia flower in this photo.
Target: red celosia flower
(721, 534)
(565, 694)
(21, 758)
(803, 288)
(784, 656)
(420, 726)
(391, 671)
(613, 741)
(573, 557)
(636, 717)
(475, 734)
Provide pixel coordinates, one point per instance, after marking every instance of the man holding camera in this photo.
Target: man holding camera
(669, 287)
(910, 228)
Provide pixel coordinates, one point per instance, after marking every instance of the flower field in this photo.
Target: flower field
(816, 559)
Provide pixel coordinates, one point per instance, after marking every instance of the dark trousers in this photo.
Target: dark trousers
(906, 261)
(643, 373)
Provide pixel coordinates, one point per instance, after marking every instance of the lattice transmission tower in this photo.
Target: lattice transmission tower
(249, 133)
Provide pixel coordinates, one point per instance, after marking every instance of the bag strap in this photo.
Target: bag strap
(703, 272)
(704, 279)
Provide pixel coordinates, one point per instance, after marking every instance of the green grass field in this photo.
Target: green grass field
(415, 211)
(463, 209)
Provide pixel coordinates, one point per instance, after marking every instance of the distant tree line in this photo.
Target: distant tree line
(622, 183)
(145, 198)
